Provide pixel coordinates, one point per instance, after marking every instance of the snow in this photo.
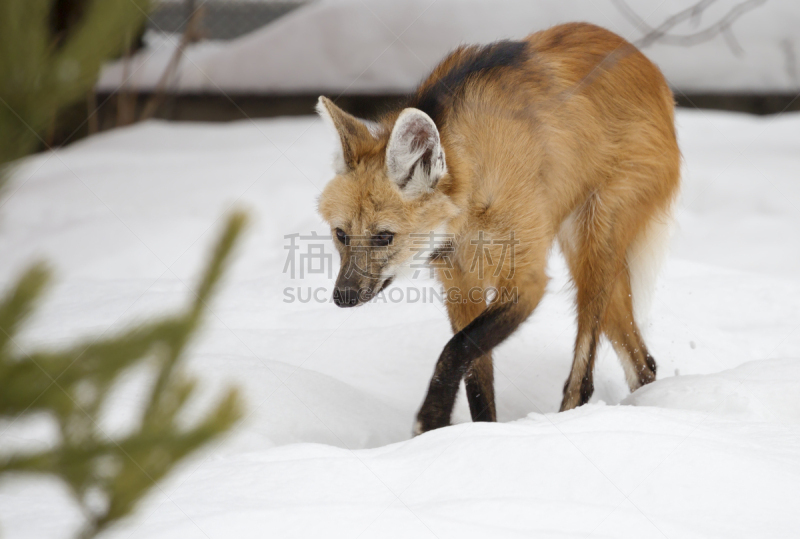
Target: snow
(766, 390)
(711, 449)
(384, 46)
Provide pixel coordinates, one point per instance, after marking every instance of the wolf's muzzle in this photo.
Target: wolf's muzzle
(345, 297)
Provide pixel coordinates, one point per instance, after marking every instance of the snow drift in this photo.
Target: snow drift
(712, 449)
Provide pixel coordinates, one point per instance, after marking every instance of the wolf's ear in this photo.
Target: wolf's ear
(352, 132)
(414, 155)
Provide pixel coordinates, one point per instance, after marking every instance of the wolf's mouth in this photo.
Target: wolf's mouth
(385, 285)
(365, 295)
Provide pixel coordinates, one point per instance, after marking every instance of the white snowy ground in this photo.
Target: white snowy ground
(712, 449)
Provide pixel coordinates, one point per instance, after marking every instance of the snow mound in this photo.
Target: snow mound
(767, 390)
(599, 470)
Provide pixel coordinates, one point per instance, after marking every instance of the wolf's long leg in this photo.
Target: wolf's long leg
(593, 254)
(595, 240)
(621, 329)
(479, 383)
(479, 379)
(477, 339)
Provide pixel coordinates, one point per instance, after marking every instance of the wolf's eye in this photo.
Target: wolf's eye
(341, 236)
(382, 239)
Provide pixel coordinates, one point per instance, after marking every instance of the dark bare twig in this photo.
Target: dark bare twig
(126, 104)
(693, 13)
(661, 34)
(191, 34)
(732, 42)
(91, 107)
(697, 17)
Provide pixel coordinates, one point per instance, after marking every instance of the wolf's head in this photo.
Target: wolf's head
(386, 198)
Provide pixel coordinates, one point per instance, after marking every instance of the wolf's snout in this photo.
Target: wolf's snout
(345, 297)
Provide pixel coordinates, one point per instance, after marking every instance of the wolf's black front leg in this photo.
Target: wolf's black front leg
(485, 332)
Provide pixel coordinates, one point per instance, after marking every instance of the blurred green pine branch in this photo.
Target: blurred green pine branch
(73, 384)
(41, 73)
(107, 475)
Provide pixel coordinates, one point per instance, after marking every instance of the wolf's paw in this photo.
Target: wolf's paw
(429, 420)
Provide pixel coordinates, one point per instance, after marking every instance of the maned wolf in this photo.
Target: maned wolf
(568, 133)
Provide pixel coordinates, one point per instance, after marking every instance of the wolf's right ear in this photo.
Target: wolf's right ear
(350, 129)
(414, 155)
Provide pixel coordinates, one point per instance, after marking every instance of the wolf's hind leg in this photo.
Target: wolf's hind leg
(595, 258)
(621, 329)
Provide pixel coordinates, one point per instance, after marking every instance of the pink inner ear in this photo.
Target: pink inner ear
(413, 152)
(422, 136)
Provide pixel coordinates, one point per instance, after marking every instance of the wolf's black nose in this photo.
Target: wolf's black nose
(345, 297)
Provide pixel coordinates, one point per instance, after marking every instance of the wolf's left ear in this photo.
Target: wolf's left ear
(414, 155)
(352, 132)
